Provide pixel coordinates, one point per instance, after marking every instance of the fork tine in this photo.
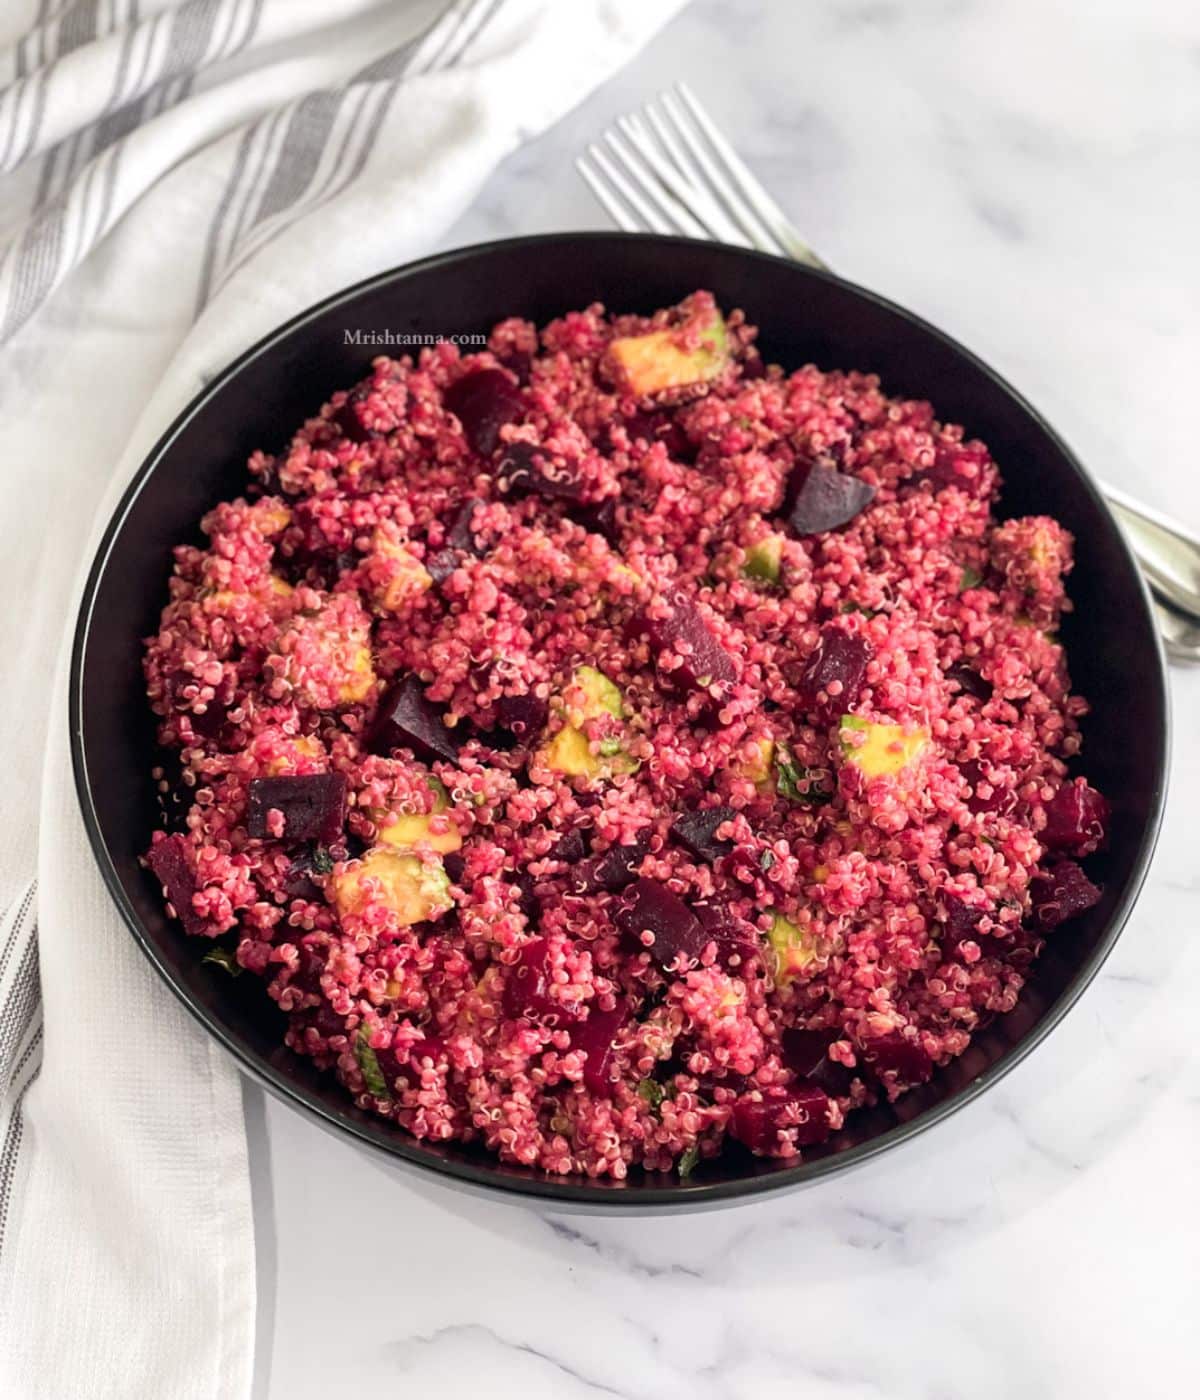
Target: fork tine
(781, 227)
(691, 187)
(673, 195)
(648, 215)
(760, 236)
(615, 210)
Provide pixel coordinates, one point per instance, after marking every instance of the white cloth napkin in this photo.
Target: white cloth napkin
(175, 180)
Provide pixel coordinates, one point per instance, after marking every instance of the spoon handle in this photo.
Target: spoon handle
(1168, 552)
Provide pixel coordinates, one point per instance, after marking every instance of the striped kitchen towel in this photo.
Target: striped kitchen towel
(176, 178)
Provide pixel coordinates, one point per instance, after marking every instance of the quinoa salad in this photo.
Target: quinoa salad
(613, 751)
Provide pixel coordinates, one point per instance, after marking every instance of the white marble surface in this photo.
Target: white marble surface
(1024, 174)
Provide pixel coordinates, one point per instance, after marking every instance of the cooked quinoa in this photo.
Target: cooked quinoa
(608, 746)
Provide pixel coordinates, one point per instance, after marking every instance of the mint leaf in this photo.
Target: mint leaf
(223, 958)
(971, 578)
(322, 861)
(609, 748)
(368, 1062)
(651, 1091)
(767, 859)
(687, 1163)
(796, 782)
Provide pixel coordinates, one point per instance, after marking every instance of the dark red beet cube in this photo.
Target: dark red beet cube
(697, 832)
(806, 1054)
(895, 1054)
(998, 799)
(522, 716)
(653, 908)
(1076, 819)
(969, 681)
(610, 871)
(659, 425)
(961, 464)
(460, 535)
(168, 860)
(821, 498)
(313, 807)
(483, 401)
(757, 1124)
(840, 660)
(596, 1037)
(1061, 893)
(569, 849)
(600, 519)
(347, 416)
(704, 662)
(527, 988)
(962, 926)
(406, 720)
(525, 469)
(731, 934)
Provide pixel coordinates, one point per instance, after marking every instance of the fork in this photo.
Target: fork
(669, 169)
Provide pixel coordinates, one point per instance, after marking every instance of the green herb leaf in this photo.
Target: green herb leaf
(971, 578)
(368, 1062)
(322, 861)
(651, 1091)
(797, 783)
(767, 859)
(224, 958)
(687, 1163)
(609, 748)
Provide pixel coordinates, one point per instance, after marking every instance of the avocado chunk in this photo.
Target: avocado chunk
(791, 948)
(411, 829)
(413, 891)
(570, 752)
(660, 360)
(764, 559)
(886, 750)
(761, 768)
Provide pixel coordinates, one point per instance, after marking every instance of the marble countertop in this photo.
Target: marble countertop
(1024, 176)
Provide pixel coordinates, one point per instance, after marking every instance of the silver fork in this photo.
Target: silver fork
(669, 169)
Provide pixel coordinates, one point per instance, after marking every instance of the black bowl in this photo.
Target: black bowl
(804, 316)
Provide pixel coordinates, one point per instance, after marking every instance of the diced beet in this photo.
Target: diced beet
(961, 464)
(520, 362)
(525, 469)
(570, 849)
(653, 908)
(999, 800)
(756, 1124)
(313, 807)
(347, 419)
(309, 966)
(821, 498)
(523, 716)
(962, 926)
(455, 865)
(895, 1053)
(441, 564)
(659, 425)
(610, 871)
(392, 1066)
(696, 832)
(460, 534)
(1061, 893)
(596, 1036)
(298, 882)
(600, 519)
(731, 934)
(704, 661)
(526, 989)
(1076, 819)
(806, 1054)
(168, 860)
(483, 401)
(753, 366)
(969, 681)
(839, 658)
(406, 719)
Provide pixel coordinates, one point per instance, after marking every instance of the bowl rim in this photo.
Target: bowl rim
(573, 1192)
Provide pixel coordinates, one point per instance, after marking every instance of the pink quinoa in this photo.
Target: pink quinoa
(607, 747)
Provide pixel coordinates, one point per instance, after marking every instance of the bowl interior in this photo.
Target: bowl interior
(803, 316)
